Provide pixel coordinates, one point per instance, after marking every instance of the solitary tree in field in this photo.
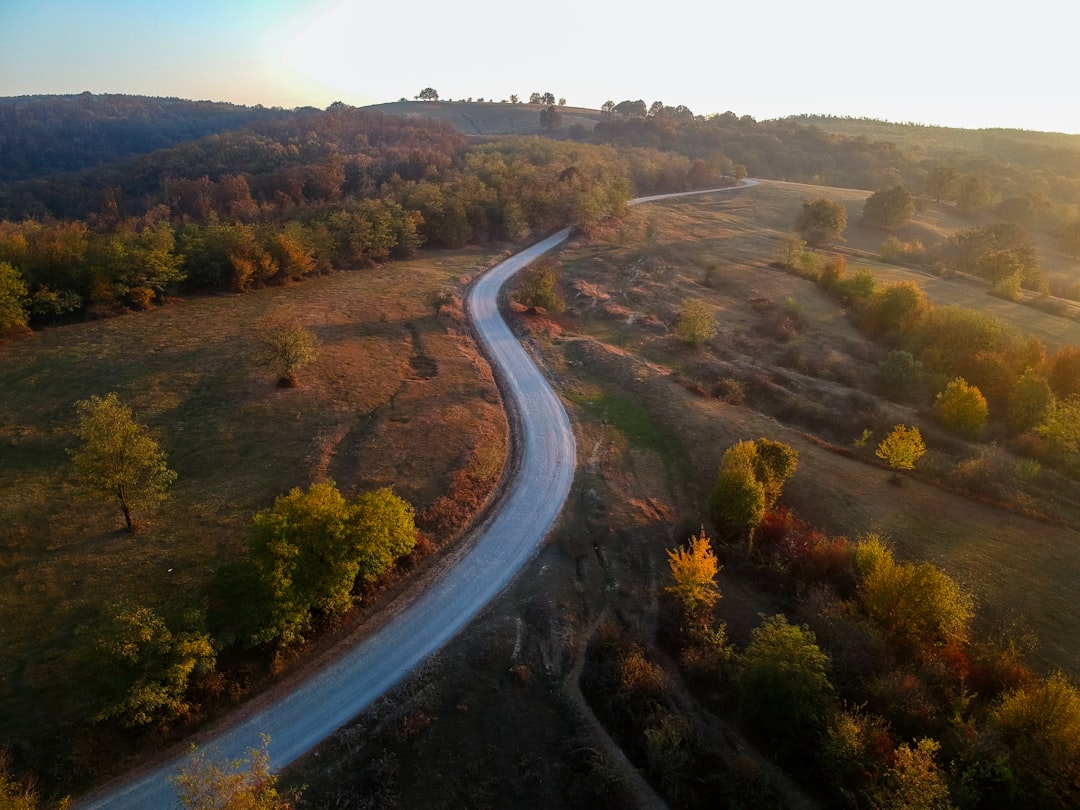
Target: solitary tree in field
(890, 208)
(696, 324)
(538, 288)
(820, 221)
(693, 571)
(902, 448)
(117, 457)
(286, 346)
(429, 94)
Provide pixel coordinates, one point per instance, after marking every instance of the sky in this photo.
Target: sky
(955, 63)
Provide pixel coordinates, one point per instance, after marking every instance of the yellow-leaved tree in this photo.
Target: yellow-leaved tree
(693, 571)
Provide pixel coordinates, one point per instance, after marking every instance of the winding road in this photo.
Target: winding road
(544, 470)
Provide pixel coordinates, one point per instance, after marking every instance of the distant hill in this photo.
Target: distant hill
(490, 118)
(45, 135)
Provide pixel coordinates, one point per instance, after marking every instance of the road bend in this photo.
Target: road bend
(540, 481)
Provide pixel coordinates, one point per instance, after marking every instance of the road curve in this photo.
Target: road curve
(534, 497)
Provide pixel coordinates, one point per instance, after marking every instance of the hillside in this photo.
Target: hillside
(487, 118)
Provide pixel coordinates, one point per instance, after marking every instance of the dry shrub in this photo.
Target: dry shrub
(730, 390)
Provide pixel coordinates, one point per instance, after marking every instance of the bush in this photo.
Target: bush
(961, 407)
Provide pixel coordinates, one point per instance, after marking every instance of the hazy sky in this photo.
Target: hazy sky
(949, 62)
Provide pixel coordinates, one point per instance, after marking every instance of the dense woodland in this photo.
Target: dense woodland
(111, 204)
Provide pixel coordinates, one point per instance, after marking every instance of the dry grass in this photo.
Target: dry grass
(810, 377)
(396, 396)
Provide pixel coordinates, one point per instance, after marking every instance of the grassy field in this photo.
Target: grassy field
(397, 396)
(807, 374)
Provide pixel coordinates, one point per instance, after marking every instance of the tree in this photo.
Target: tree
(632, 109)
(749, 483)
(1029, 402)
(550, 118)
(311, 549)
(902, 448)
(534, 98)
(607, 108)
(1069, 240)
(897, 308)
(117, 457)
(1040, 722)
(941, 183)
(972, 193)
(820, 221)
(961, 407)
(13, 301)
(538, 288)
(913, 781)
(696, 324)
(514, 98)
(899, 374)
(245, 784)
(784, 689)
(15, 795)
(143, 668)
(429, 94)
(285, 345)
(917, 606)
(1061, 430)
(1063, 371)
(890, 209)
(548, 98)
(694, 571)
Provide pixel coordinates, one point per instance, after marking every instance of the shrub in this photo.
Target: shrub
(961, 407)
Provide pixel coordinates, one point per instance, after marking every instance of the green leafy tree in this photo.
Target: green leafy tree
(244, 784)
(898, 307)
(696, 324)
(144, 669)
(118, 458)
(749, 483)
(1061, 431)
(820, 221)
(971, 193)
(902, 448)
(890, 208)
(429, 94)
(693, 571)
(941, 183)
(538, 288)
(14, 316)
(961, 407)
(285, 345)
(784, 689)
(1029, 402)
(550, 118)
(310, 550)
(900, 374)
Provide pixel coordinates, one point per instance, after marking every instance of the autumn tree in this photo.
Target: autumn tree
(14, 316)
(1039, 723)
(20, 795)
(917, 606)
(140, 668)
(117, 457)
(538, 287)
(245, 784)
(312, 548)
(820, 221)
(696, 324)
(285, 345)
(961, 407)
(913, 780)
(1063, 371)
(693, 571)
(749, 482)
(901, 448)
(890, 208)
